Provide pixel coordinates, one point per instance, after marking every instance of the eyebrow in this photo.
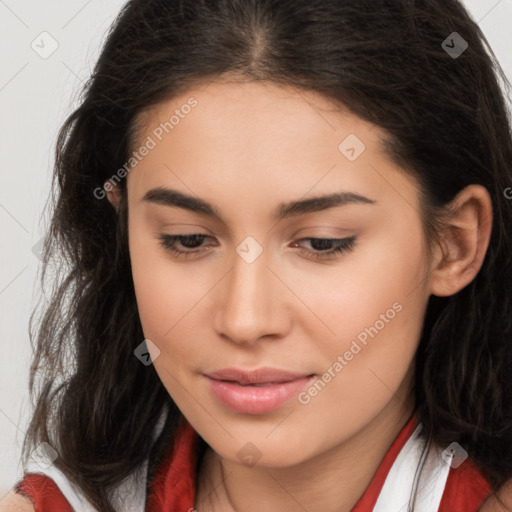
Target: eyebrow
(170, 197)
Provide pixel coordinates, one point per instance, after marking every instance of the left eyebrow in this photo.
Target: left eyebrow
(319, 203)
(171, 197)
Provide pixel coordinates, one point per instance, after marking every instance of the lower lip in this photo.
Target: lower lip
(256, 399)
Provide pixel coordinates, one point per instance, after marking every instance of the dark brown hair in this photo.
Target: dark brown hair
(383, 59)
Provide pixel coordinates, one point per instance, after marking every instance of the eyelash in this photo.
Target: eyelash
(342, 245)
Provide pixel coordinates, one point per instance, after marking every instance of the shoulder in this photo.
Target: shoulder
(35, 492)
(15, 502)
(500, 501)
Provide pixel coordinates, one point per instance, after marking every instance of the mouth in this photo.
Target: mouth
(255, 392)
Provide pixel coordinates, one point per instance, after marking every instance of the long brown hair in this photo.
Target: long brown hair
(446, 117)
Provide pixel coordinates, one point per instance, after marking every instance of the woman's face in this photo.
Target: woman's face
(252, 290)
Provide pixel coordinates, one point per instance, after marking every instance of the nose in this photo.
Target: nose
(251, 303)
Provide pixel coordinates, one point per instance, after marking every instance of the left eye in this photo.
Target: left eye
(320, 247)
(328, 247)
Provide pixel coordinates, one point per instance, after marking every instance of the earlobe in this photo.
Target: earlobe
(113, 194)
(464, 241)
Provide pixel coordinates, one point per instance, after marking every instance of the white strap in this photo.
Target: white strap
(396, 491)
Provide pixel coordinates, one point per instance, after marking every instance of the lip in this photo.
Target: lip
(263, 375)
(255, 391)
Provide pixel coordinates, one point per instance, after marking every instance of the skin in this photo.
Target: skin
(13, 502)
(500, 502)
(246, 148)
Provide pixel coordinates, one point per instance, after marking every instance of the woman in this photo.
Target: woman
(283, 222)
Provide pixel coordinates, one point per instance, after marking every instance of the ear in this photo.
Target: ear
(464, 241)
(113, 194)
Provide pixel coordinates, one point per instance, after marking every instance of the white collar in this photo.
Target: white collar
(130, 495)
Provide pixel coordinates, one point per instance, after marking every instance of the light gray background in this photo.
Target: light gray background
(36, 95)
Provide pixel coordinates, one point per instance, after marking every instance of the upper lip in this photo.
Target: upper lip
(256, 376)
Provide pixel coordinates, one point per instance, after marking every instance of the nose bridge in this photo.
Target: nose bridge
(248, 309)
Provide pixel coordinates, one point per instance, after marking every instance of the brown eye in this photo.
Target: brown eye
(189, 242)
(328, 247)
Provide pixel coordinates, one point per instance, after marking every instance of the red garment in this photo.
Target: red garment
(43, 492)
(173, 487)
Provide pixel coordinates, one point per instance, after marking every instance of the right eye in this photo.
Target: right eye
(189, 242)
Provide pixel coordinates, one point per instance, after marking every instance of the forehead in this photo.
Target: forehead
(257, 106)
(262, 138)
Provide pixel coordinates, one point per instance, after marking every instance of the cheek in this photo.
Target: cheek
(382, 275)
(165, 292)
(164, 297)
(372, 307)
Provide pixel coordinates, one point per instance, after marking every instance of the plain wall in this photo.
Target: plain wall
(36, 95)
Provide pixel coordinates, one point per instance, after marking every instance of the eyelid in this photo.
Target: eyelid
(185, 228)
(324, 231)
